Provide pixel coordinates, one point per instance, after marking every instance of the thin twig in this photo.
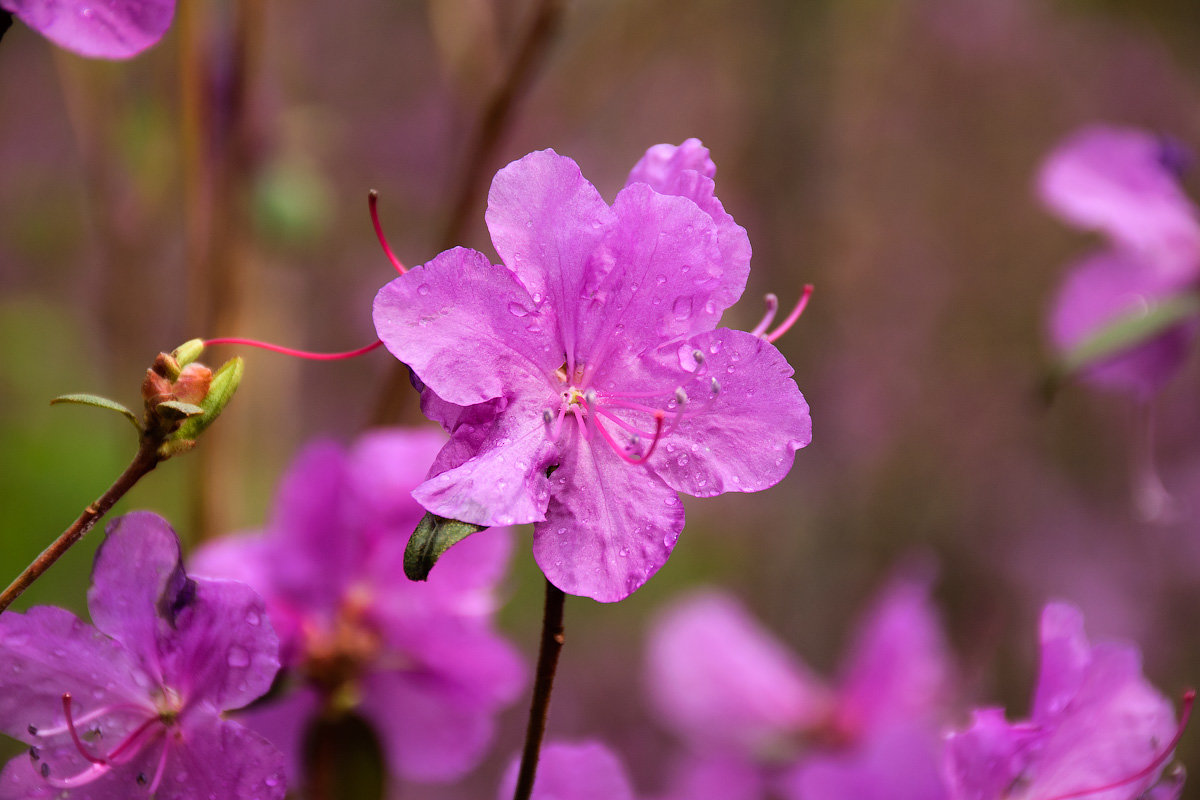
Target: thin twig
(539, 709)
(147, 459)
(494, 122)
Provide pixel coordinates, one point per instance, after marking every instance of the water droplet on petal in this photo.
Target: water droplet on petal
(423, 289)
(238, 657)
(660, 279)
(253, 618)
(682, 308)
(624, 553)
(517, 310)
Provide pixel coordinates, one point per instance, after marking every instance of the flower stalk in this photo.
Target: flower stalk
(539, 708)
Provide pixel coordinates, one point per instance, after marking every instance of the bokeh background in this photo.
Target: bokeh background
(882, 150)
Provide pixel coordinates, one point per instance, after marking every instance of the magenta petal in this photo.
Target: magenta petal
(663, 279)
(1065, 656)
(383, 467)
(715, 776)
(899, 667)
(546, 221)
(745, 438)
(220, 758)
(662, 164)
(721, 680)
(48, 651)
(224, 648)
(984, 760)
(430, 730)
(1119, 181)
(505, 483)
(469, 329)
(284, 723)
(609, 525)
(138, 583)
(110, 29)
(1099, 290)
(585, 771)
(898, 762)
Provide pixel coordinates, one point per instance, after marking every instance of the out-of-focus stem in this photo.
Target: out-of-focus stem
(539, 709)
(494, 121)
(147, 459)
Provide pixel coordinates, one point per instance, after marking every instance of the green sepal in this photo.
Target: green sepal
(224, 383)
(433, 537)
(99, 402)
(176, 409)
(1123, 333)
(174, 447)
(188, 352)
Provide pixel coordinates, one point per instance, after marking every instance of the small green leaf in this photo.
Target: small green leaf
(1124, 333)
(188, 352)
(176, 409)
(224, 383)
(433, 537)
(99, 402)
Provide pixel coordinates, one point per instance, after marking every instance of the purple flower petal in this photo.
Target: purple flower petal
(609, 525)
(1065, 656)
(584, 771)
(1118, 181)
(898, 762)
(383, 467)
(1099, 290)
(744, 439)
(546, 221)
(221, 759)
(687, 171)
(984, 760)
(505, 482)
(106, 29)
(723, 681)
(284, 723)
(469, 329)
(717, 775)
(224, 649)
(138, 584)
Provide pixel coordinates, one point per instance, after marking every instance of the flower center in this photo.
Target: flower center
(335, 657)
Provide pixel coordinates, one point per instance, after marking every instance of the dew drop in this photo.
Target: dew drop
(238, 657)
(624, 553)
(253, 618)
(683, 460)
(423, 289)
(517, 310)
(671, 501)
(682, 308)
(660, 279)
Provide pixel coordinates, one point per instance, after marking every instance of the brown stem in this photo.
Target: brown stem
(552, 642)
(494, 121)
(147, 459)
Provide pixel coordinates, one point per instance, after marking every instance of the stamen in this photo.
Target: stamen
(769, 317)
(1189, 698)
(698, 357)
(373, 201)
(716, 387)
(88, 717)
(83, 751)
(80, 779)
(786, 325)
(681, 397)
(288, 351)
(162, 763)
(547, 416)
(659, 417)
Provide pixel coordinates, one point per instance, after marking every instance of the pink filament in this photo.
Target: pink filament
(659, 417)
(1189, 697)
(83, 751)
(288, 351)
(769, 317)
(373, 201)
(786, 325)
(99, 765)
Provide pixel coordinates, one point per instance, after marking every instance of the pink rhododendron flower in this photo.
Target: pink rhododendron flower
(1124, 184)
(133, 706)
(757, 720)
(584, 381)
(584, 771)
(96, 28)
(419, 661)
(1098, 729)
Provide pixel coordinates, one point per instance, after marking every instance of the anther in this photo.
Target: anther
(786, 325)
(698, 356)
(716, 387)
(1189, 698)
(373, 201)
(548, 416)
(45, 770)
(35, 753)
(680, 396)
(142, 779)
(589, 397)
(33, 731)
(772, 306)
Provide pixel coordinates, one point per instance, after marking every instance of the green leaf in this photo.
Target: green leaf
(188, 352)
(434, 535)
(1124, 333)
(176, 409)
(99, 402)
(224, 383)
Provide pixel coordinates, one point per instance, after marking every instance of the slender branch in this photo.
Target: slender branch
(147, 459)
(494, 122)
(539, 709)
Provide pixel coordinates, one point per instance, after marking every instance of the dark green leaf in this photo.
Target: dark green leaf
(99, 402)
(434, 535)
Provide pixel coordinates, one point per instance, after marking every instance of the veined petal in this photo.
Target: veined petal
(505, 482)
(585, 771)
(469, 329)
(138, 584)
(1065, 656)
(744, 439)
(687, 171)
(898, 762)
(983, 761)
(546, 222)
(223, 648)
(1099, 290)
(664, 278)
(284, 722)
(721, 680)
(219, 758)
(609, 525)
(112, 29)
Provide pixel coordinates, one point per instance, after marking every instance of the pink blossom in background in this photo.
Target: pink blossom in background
(147, 686)
(96, 28)
(1097, 729)
(583, 771)
(757, 720)
(584, 381)
(419, 661)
